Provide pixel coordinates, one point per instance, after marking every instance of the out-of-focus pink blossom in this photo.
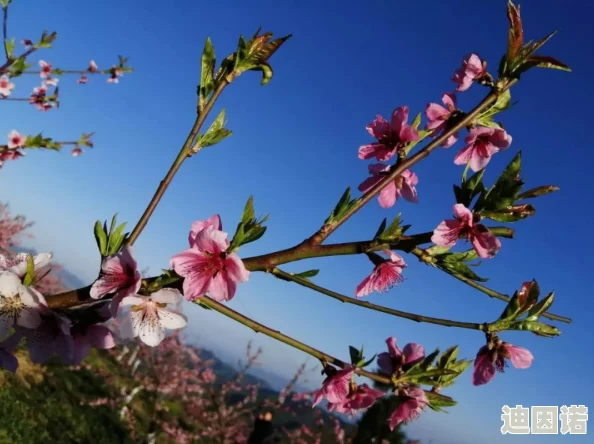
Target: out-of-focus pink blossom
(46, 69)
(92, 66)
(76, 152)
(481, 144)
(16, 140)
(384, 276)
(51, 337)
(404, 185)
(390, 136)
(115, 74)
(465, 225)
(6, 86)
(85, 337)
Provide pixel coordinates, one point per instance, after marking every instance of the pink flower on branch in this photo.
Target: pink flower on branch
(119, 276)
(491, 359)
(46, 69)
(150, 317)
(6, 86)
(465, 225)
(413, 403)
(396, 359)
(404, 185)
(387, 273)
(16, 140)
(114, 74)
(208, 268)
(213, 221)
(390, 136)
(359, 398)
(76, 152)
(481, 144)
(335, 387)
(473, 69)
(92, 66)
(28, 44)
(438, 117)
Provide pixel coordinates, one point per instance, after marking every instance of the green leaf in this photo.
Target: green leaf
(18, 67)
(410, 145)
(9, 44)
(510, 214)
(544, 62)
(516, 32)
(363, 363)
(266, 73)
(417, 121)
(536, 327)
(101, 238)
(542, 306)
(394, 231)
(437, 401)
(242, 51)
(487, 122)
(5, 3)
(206, 77)
(437, 250)
(354, 354)
(503, 103)
(248, 211)
(30, 271)
(215, 134)
(470, 189)
(464, 256)
(506, 189)
(512, 308)
(381, 229)
(341, 207)
(448, 357)
(461, 269)
(307, 274)
(538, 191)
(115, 240)
(114, 221)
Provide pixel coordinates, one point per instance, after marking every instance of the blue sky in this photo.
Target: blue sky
(294, 148)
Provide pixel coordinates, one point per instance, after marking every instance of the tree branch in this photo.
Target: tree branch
(401, 314)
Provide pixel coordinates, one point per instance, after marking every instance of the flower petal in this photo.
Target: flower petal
(519, 356)
(171, 319)
(167, 296)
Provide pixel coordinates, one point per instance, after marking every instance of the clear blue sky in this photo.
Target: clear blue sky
(295, 148)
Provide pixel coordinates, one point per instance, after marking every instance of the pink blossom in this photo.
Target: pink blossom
(208, 268)
(359, 398)
(438, 117)
(85, 336)
(386, 274)
(489, 360)
(413, 403)
(17, 263)
(39, 99)
(150, 317)
(52, 81)
(466, 225)
(52, 337)
(6, 86)
(115, 73)
(16, 140)
(76, 152)
(46, 69)
(83, 79)
(390, 136)
(403, 185)
(28, 44)
(396, 359)
(199, 225)
(481, 144)
(10, 155)
(120, 276)
(472, 69)
(92, 66)
(335, 387)
(19, 305)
